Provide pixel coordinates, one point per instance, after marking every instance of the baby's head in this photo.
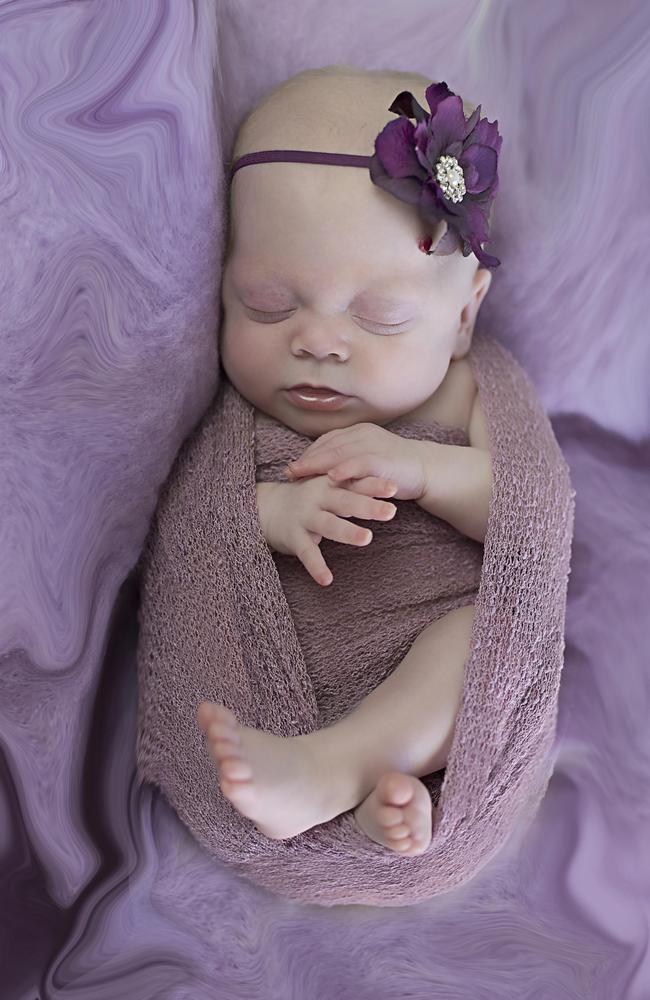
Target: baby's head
(324, 281)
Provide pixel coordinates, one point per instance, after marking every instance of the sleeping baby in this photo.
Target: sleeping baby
(349, 305)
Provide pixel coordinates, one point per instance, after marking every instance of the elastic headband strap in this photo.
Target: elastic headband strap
(301, 156)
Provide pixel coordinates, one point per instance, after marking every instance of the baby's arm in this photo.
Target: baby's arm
(459, 479)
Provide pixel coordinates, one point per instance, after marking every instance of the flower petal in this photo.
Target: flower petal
(394, 149)
(487, 133)
(473, 231)
(486, 259)
(434, 207)
(448, 244)
(455, 149)
(448, 123)
(406, 104)
(479, 165)
(472, 226)
(431, 150)
(435, 93)
(472, 121)
(405, 188)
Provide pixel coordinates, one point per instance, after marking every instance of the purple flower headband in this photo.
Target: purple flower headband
(445, 165)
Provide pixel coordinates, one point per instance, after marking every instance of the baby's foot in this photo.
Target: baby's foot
(282, 784)
(397, 814)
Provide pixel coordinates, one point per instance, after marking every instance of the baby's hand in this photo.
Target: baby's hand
(295, 517)
(365, 452)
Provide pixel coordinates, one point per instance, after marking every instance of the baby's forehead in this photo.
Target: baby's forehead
(332, 204)
(261, 276)
(311, 210)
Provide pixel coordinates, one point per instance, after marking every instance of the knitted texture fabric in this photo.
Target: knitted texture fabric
(216, 624)
(374, 610)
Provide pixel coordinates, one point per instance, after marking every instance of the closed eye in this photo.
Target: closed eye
(268, 317)
(271, 317)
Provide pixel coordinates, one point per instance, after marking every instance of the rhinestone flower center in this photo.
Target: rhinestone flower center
(450, 177)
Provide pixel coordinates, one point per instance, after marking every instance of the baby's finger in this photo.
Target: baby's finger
(312, 559)
(351, 469)
(372, 486)
(349, 503)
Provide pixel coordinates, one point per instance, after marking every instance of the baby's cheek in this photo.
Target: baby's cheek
(234, 348)
(249, 363)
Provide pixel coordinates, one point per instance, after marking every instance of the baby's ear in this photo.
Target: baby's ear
(481, 283)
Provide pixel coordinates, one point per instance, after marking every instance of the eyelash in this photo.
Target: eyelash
(382, 326)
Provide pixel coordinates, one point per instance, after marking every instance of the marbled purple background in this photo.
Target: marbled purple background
(114, 119)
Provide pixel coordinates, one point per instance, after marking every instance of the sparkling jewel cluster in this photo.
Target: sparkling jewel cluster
(450, 177)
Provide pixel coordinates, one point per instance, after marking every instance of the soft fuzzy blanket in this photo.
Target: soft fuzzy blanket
(117, 120)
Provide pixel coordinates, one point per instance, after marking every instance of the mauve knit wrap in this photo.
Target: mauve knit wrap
(372, 613)
(215, 624)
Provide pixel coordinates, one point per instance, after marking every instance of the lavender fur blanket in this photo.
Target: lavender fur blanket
(116, 121)
(215, 624)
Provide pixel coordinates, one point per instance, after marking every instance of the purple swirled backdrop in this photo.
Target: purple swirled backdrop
(114, 120)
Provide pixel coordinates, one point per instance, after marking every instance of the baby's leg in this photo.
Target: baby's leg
(398, 812)
(287, 785)
(407, 722)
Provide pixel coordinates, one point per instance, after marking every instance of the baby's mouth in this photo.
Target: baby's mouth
(320, 392)
(317, 399)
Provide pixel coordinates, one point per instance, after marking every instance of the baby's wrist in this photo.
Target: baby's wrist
(265, 498)
(458, 486)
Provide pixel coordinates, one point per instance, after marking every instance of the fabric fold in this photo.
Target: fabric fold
(215, 625)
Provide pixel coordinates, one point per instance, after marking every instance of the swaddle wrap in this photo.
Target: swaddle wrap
(355, 632)
(215, 625)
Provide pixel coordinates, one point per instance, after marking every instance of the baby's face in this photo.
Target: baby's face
(325, 284)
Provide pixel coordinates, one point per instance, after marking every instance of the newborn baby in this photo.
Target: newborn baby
(327, 283)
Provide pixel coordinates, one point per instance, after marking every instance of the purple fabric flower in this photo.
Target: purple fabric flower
(445, 165)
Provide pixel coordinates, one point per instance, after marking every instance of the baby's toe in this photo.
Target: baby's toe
(205, 714)
(389, 816)
(220, 732)
(408, 826)
(232, 766)
(223, 726)
(399, 832)
(235, 769)
(391, 820)
(226, 747)
(395, 790)
(211, 713)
